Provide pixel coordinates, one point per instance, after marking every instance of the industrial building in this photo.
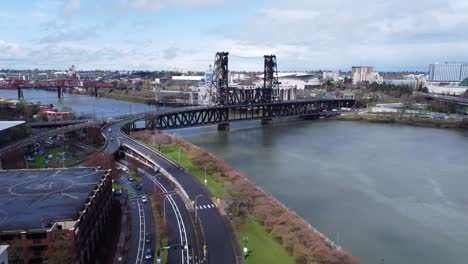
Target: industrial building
(452, 73)
(54, 215)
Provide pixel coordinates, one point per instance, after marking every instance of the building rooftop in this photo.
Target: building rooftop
(31, 199)
(3, 248)
(9, 124)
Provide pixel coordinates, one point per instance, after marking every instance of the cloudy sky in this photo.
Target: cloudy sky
(186, 34)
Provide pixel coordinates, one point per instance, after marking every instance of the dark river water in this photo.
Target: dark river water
(386, 193)
(81, 104)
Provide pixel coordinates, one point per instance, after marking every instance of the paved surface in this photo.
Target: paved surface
(32, 198)
(141, 219)
(220, 239)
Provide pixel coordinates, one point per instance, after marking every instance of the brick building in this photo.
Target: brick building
(53, 215)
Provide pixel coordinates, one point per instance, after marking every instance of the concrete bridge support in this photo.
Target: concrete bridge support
(20, 93)
(95, 91)
(60, 92)
(223, 127)
(267, 122)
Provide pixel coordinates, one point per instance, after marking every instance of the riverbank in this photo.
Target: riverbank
(413, 121)
(255, 214)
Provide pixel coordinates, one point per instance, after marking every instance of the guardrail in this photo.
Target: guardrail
(162, 170)
(29, 140)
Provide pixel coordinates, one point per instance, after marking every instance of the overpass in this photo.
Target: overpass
(33, 139)
(51, 124)
(447, 98)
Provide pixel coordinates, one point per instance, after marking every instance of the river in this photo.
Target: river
(386, 193)
(81, 105)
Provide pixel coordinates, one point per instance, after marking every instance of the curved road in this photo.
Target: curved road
(221, 242)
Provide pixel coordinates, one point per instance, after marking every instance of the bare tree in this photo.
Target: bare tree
(238, 197)
(61, 249)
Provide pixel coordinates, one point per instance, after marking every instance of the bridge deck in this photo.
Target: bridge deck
(190, 117)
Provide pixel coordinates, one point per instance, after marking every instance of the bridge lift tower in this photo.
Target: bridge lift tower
(270, 80)
(221, 78)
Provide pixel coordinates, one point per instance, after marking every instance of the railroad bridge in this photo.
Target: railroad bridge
(237, 104)
(223, 115)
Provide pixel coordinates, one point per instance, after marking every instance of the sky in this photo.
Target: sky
(390, 35)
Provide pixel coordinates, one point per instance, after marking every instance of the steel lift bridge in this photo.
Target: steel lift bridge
(236, 104)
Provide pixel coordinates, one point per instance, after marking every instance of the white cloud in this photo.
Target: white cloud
(337, 33)
(146, 5)
(72, 7)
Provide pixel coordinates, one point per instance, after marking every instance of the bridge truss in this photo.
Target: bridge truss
(225, 114)
(225, 95)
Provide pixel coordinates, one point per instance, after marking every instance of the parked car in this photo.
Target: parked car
(148, 253)
(130, 178)
(110, 129)
(117, 192)
(148, 238)
(139, 186)
(144, 199)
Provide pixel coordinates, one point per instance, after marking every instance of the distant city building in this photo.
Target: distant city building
(3, 254)
(365, 74)
(332, 76)
(301, 80)
(448, 72)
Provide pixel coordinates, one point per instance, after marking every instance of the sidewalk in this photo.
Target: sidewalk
(125, 232)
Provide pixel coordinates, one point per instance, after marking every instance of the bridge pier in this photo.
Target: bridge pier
(223, 127)
(59, 92)
(95, 91)
(20, 93)
(267, 122)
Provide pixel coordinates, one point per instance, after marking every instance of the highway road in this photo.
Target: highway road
(142, 220)
(221, 242)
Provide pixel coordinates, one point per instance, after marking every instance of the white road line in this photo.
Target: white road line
(180, 221)
(141, 242)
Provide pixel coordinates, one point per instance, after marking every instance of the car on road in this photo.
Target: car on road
(130, 178)
(148, 238)
(111, 139)
(109, 130)
(139, 186)
(148, 253)
(144, 199)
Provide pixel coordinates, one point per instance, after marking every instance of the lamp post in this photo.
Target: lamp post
(196, 203)
(246, 239)
(206, 181)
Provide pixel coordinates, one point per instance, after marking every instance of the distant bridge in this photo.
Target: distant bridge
(58, 84)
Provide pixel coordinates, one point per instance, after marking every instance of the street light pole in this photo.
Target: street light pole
(196, 204)
(206, 181)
